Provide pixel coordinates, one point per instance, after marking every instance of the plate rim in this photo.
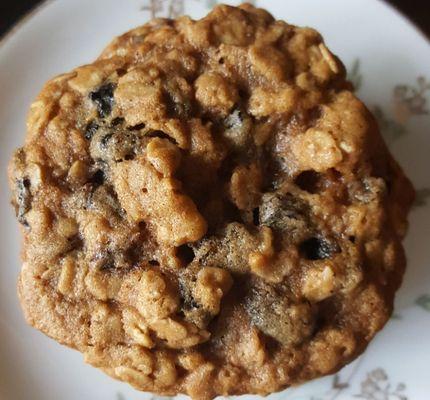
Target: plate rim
(36, 9)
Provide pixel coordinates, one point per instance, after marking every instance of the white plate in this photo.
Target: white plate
(385, 55)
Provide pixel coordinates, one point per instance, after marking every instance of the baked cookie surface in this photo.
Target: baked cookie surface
(208, 209)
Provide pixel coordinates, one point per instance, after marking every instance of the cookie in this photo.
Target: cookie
(208, 208)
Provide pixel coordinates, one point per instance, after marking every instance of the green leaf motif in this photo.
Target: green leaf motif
(211, 3)
(424, 302)
(400, 387)
(390, 129)
(120, 396)
(337, 384)
(354, 74)
(421, 197)
(154, 7)
(377, 385)
(413, 97)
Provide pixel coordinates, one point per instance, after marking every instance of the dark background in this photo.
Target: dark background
(417, 10)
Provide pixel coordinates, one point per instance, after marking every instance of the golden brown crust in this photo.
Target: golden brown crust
(208, 209)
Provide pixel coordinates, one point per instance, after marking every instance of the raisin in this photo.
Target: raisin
(277, 317)
(105, 139)
(104, 261)
(98, 178)
(91, 129)
(308, 181)
(108, 265)
(117, 121)
(75, 242)
(133, 255)
(283, 212)
(161, 135)
(117, 145)
(103, 97)
(23, 199)
(317, 248)
(129, 157)
(137, 127)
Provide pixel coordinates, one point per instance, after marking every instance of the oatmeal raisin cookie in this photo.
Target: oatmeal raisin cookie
(208, 208)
